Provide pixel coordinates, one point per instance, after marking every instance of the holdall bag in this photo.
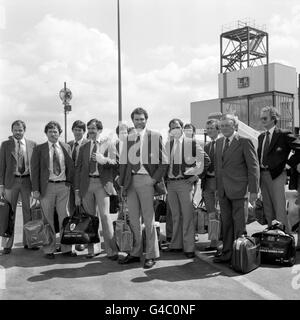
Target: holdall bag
(200, 217)
(123, 233)
(34, 233)
(214, 226)
(276, 246)
(80, 228)
(6, 218)
(36, 211)
(246, 254)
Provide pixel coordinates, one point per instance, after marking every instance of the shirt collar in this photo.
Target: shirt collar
(231, 137)
(271, 130)
(56, 144)
(141, 133)
(79, 141)
(22, 141)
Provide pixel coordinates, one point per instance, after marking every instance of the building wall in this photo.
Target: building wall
(200, 111)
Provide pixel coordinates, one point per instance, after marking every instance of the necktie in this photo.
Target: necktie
(21, 159)
(56, 164)
(226, 146)
(74, 153)
(136, 167)
(212, 156)
(93, 164)
(176, 158)
(266, 148)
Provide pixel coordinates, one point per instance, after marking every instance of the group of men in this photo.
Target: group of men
(86, 171)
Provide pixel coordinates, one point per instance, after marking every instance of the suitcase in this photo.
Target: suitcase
(34, 233)
(276, 246)
(81, 228)
(6, 218)
(246, 254)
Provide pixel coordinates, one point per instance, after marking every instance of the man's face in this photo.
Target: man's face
(227, 127)
(78, 133)
(266, 120)
(188, 132)
(176, 129)
(53, 135)
(18, 132)
(93, 131)
(139, 121)
(211, 130)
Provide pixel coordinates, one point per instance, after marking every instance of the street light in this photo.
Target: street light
(65, 95)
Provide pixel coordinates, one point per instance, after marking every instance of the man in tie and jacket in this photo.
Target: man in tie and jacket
(15, 175)
(94, 183)
(184, 153)
(274, 147)
(52, 175)
(144, 163)
(237, 173)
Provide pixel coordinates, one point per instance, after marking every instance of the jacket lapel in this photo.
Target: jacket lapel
(45, 154)
(233, 145)
(13, 149)
(275, 137)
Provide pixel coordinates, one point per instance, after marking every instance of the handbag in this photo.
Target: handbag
(80, 228)
(123, 233)
(34, 233)
(214, 226)
(200, 218)
(36, 211)
(6, 218)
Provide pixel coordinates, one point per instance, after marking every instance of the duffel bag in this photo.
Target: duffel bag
(6, 218)
(276, 246)
(34, 233)
(80, 228)
(246, 254)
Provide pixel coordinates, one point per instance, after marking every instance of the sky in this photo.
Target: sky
(170, 56)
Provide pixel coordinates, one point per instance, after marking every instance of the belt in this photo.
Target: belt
(22, 176)
(91, 176)
(264, 169)
(176, 179)
(58, 181)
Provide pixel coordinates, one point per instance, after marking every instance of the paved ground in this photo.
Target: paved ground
(28, 275)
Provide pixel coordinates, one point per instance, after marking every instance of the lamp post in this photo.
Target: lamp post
(119, 69)
(65, 95)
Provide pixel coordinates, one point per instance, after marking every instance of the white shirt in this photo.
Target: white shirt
(177, 144)
(142, 168)
(263, 145)
(61, 157)
(23, 147)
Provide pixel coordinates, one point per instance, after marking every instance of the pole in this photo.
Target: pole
(65, 88)
(119, 70)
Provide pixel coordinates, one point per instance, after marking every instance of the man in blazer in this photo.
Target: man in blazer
(274, 147)
(237, 173)
(52, 175)
(15, 172)
(94, 183)
(144, 164)
(184, 153)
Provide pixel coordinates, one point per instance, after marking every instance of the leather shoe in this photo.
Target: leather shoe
(6, 251)
(49, 256)
(69, 254)
(149, 263)
(130, 259)
(190, 255)
(114, 257)
(221, 259)
(210, 248)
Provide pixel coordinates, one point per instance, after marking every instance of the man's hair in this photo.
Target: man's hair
(53, 125)
(176, 120)
(139, 111)
(97, 122)
(19, 123)
(214, 122)
(232, 117)
(121, 125)
(190, 126)
(79, 124)
(273, 112)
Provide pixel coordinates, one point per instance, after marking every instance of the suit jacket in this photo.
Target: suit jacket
(82, 180)
(238, 172)
(282, 143)
(40, 166)
(8, 161)
(293, 161)
(191, 153)
(209, 169)
(154, 157)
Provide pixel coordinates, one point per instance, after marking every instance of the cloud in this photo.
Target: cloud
(59, 50)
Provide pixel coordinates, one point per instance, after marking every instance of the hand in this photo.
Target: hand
(153, 181)
(36, 195)
(192, 179)
(99, 158)
(252, 198)
(77, 199)
(298, 167)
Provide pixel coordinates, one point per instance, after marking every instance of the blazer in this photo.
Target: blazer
(82, 181)
(154, 157)
(8, 161)
(206, 150)
(238, 172)
(191, 153)
(282, 143)
(40, 166)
